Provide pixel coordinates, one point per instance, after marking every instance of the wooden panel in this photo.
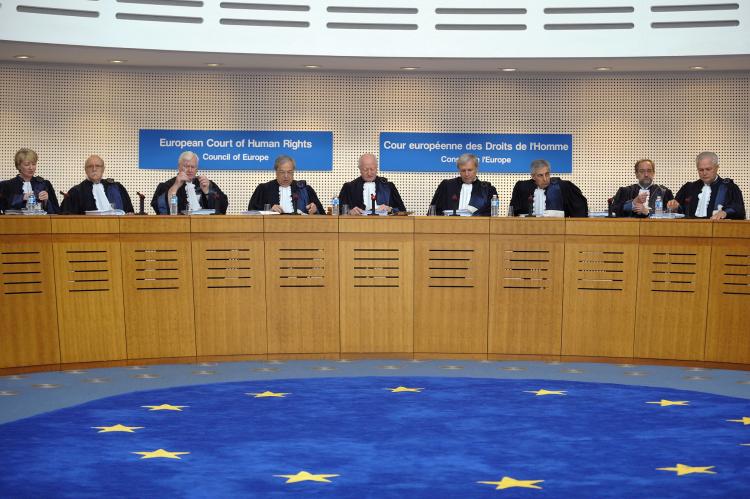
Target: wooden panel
(526, 289)
(602, 226)
(599, 295)
(727, 331)
(154, 224)
(89, 298)
(223, 223)
(302, 310)
(230, 294)
(528, 226)
(377, 293)
(732, 228)
(675, 228)
(300, 223)
(673, 280)
(450, 301)
(451, 225)
(376, 225)
(27, 302)
(25, 224)
(85, 225)
(158, 292)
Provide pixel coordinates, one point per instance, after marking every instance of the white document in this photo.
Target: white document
(108, 213)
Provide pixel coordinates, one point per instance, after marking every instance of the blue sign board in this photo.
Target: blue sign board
(235, 149)
(497, 153)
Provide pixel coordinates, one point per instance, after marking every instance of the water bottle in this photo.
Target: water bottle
(31, 202)
(495, 206)
(335, 207)
(173, 205)
(658, 206)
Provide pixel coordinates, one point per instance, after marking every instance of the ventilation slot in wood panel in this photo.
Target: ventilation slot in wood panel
(377, 267)
(673, 272)
(450, 268)
(302, 267)
(21, 272)
(228, 268)
(600, 271)
(735, 274)
(526, 269)
(157, 269)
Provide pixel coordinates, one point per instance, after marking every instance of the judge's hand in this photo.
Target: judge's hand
(277, 208)
(356, 211)
(312, 209)
(181, 179)
(719, 215)
(641, 197)
(640, 207)
(672, 204)
(385, 207)
(204, 183)
(42, 196)
(26, 196)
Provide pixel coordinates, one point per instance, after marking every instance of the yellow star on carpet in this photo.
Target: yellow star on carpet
(160, 453)
(665, 403)
(267, 394)
(508, 483)
(117, 427)
(745, 420)
(165, 407)
(684, 469)
(304, 476)
(401, 389)
(547, 392)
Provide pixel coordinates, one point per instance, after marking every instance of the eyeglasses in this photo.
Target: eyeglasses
(645, 171)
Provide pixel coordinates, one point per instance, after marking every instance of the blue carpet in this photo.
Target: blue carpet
(593, 441)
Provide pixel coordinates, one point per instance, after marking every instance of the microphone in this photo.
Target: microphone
(295, 197)
(531, 206)
(454, 198)
(141, 197)
(372, 200)
(65, 195)
(610, 213)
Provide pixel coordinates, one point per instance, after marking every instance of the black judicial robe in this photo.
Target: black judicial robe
(215, 199)
(11, 194)
(448, 195)
(80, 198)
(723, 192)
(561, 195)
(385, 193)
(622, 203)
(268, 193)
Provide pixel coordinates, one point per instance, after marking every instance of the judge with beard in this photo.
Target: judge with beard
(465, 192)
(710, 196)
(543, 195)
(284, 194)
(95, 193)
(194, 192)
(638, 200)
(359, 193)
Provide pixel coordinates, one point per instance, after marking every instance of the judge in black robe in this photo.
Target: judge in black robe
(629, 201)
(561, 195)
(479, 198)
(209, 195)
(12, 196)
(300, 196)
(387, 197)
(725, 197)
(80, 198)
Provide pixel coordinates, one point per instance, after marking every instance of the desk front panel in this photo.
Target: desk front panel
(27, 306)
(89, 297)
(158, 289)
(526, 290)
(451, 286)
(302, 292)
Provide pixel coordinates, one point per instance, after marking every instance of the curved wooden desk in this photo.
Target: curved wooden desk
(95, 289)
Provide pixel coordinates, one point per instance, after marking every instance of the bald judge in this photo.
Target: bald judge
(96, 193)
(358, 193)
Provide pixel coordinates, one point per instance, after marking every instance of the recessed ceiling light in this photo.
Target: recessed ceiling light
(312, 66)
(697, 68)
(117, 61)
(409, 68)
(507, 69)
(213, 64)
(603, 68)
(22, 57)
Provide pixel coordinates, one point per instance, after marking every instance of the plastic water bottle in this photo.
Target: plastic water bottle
(658, 206)
(495, 206)
(173, 205)
(335, 207)
(31, 202)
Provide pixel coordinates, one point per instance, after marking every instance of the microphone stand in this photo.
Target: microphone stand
(141, 199)
(372, 200)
